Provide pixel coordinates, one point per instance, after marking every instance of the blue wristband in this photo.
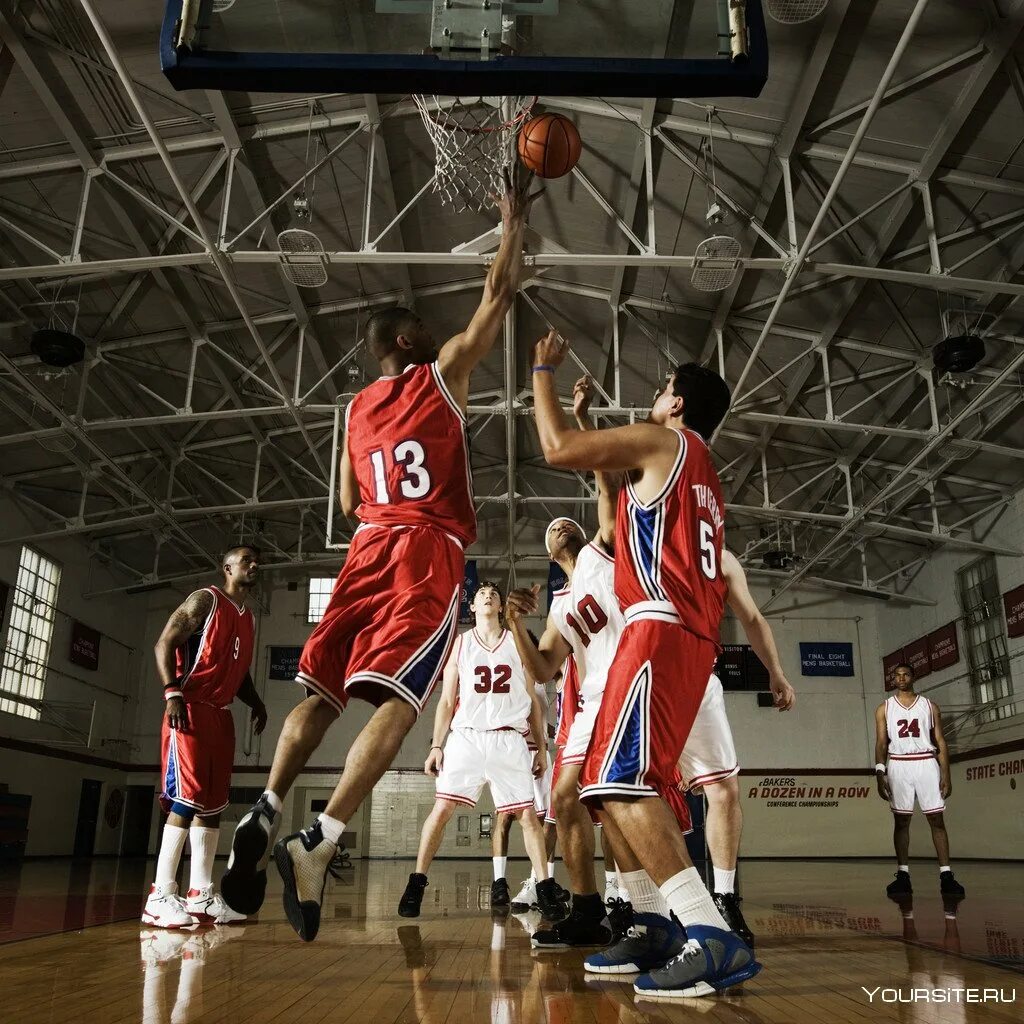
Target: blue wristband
(540, 369)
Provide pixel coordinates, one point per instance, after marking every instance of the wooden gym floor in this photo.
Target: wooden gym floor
(73, 952)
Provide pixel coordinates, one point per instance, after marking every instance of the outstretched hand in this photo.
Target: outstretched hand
(521, 602)
(516, 202)
(551, 350)
(582, 396)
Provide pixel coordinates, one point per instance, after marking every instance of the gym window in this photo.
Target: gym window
(987, 662)
(29, 633)
(320, 588)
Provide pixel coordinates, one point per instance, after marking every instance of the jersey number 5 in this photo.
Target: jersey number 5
(708, 551)
(908, 727)
(415, 480)
(492, 682)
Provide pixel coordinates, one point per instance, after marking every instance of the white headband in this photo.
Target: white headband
(554, 523)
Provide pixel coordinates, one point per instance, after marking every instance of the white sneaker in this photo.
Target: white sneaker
(165, 908)
(158, 947)
(531, 920)
(208, 907)
(527, 895)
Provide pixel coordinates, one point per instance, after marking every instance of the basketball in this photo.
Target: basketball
(550, 145)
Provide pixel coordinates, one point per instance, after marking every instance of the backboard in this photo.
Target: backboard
(650, 48)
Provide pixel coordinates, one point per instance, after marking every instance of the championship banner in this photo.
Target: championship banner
(284, 663)
(556, 581)
(470, 582)
(943, 649)
(1013, 605)
(85, 646)
(826, 659)
(917, 654)
(889, 663)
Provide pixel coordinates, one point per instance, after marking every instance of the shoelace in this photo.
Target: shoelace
(691, 950)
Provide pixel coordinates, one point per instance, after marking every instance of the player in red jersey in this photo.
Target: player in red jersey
(390, 624)
(202, 657)
(668, 541)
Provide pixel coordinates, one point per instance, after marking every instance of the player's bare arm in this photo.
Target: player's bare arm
(460, 355)
(647, 449)
(348, 484)
(185, 620)
(538, 715)
(942, 752)
(258, 710)
(881, 751)
(756, 628)
(542, 660)
(444, 714)
(608, 484)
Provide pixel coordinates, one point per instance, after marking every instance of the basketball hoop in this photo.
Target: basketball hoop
(474, 142)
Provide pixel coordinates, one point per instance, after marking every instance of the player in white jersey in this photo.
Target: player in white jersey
(485, 698)
(584, 622)
(908, 728)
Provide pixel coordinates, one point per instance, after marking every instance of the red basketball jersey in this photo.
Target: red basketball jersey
(211, 665)
(668, 551)
(408, 444)
(568, 701)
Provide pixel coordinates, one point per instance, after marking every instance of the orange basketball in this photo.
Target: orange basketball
(549, 145)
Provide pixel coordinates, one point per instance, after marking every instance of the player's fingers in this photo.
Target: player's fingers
(535, 589)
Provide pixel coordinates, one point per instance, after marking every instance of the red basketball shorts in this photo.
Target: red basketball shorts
(655, 687)
(390, 623)
(196, 761)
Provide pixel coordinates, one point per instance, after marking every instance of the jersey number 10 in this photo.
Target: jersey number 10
(593, 616)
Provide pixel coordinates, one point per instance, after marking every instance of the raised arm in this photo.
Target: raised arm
(643, 446)
(185, 620)
(945, 782)
(608, 484)
(543, 660)
(881, 751)
(756, 628)
(460, 355)
(445, 712)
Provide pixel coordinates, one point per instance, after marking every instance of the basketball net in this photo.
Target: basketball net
(474, 141)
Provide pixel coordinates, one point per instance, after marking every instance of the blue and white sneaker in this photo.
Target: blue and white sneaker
(711, 960)
(650, 943)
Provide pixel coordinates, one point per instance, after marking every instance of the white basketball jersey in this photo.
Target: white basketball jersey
(589, 619)
(492, 685)
(910, 729)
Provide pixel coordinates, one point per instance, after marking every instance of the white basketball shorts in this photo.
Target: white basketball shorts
(499, 758)
(916, 777)
(710, 753)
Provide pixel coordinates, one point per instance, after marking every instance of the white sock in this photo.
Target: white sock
(331, 828)
(551, 869)
(497, 937)
(944, 867)
(204, 849)
(725, 881)
(171, 845)
(903, 867)
(645, 896)
(611, 886)
(689, 899)
(499, 866)
(274, 800)
(189, 990)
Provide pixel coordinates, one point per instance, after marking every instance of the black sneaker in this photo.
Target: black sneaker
(563, 894)
(244, 884)
(900, 886)
(949, 886)
(500, 896)
(728, 904)
(409, 904)
(550, 906)
(303, 861)
(575, 930)
(620, 916)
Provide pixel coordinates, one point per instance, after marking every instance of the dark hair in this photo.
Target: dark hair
(907, 666)
(490, 585)
(705, 395)
(239, 547)
(384, 327)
